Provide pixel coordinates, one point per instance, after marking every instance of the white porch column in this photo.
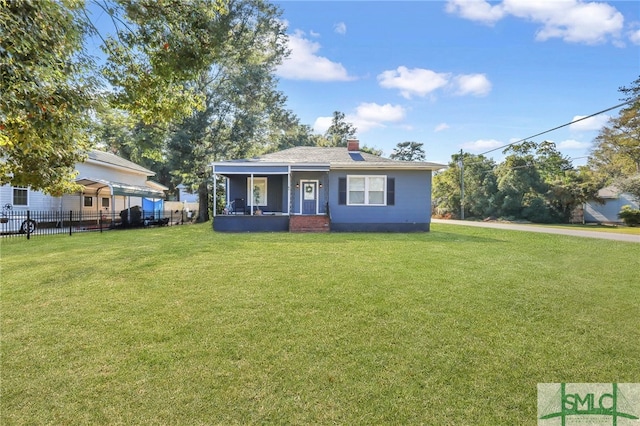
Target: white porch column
(215, 198)
(113, 207)
(289, 191)
(251, 194)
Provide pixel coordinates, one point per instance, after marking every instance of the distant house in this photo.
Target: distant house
(325, 188)
(110, 184)
(185, 196)
(614, 199)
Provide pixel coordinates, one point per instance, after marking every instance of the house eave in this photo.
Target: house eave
(387, 166)
(226, 167)
(147, 173)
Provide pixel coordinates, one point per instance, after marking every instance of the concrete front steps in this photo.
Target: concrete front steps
(309, 223)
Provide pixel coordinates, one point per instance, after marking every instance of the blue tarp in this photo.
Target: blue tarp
(151, 207)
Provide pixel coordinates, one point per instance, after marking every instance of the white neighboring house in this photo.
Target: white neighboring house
(110, 184)
(613, 199)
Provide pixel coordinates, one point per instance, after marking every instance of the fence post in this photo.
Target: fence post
(28, 222)
(70, 221)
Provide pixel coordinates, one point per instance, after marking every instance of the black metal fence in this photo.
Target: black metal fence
(29, 223)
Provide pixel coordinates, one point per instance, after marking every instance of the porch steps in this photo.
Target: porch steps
(309, 223)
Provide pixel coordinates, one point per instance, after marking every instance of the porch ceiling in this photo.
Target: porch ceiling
(249, 168)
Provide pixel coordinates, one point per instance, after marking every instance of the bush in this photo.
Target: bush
(630, 216)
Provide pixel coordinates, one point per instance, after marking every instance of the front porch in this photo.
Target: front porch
(271, 223)
(265, 197)
(248, 223)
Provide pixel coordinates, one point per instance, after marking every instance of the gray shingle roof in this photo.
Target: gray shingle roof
(340, 158)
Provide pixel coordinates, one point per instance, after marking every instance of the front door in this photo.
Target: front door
(309, 197)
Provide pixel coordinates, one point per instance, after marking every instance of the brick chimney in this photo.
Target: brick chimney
(353, 145)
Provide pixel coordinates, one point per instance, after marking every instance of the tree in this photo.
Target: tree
(243, 114)
(616, 153)
(339, 131)
(45, 94)
(479, 187)
(520, 185)
(632, 186)
(408, 151)
(49, 85)
(158, 49)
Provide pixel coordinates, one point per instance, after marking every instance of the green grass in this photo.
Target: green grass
(183, 325)
(614, 229)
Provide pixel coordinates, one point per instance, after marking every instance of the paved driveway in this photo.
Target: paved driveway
(543, 229)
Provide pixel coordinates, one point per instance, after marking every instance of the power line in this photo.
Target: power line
(559, 127)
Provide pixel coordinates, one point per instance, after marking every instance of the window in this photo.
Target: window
(20, 197)
(367, 190)
(259, 192)
(88, 201)
(105, 202)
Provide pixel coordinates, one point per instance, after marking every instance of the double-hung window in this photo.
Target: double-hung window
(367, 190)
(20, 196)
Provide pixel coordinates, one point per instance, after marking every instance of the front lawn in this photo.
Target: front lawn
(185, 326)
(614, 229)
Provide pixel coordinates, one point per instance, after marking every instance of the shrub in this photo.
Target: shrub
(630, 216)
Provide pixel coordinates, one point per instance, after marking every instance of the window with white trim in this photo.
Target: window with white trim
(20, 196)
(366, 190)
(88, 201)
(259, 191)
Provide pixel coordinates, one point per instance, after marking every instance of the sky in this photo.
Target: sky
(461, 75)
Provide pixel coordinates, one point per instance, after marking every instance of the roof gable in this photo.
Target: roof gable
(115, 161)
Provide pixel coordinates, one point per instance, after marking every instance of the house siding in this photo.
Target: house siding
(608, 212)
(323, 193)
(276, 188)
(36, 200)
(410, 212)
(96, 171)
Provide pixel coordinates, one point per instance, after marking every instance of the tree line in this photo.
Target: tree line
(536, 182)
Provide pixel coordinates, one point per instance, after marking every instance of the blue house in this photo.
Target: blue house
(317, 189)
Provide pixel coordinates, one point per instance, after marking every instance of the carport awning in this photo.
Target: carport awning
(118, 188)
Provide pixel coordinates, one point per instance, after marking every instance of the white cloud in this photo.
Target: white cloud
(421, 82)
(322, 124)
(574, 21)
(589, 124)
(372, 115)
(475, 10)
(482, 145)
(573, 144)
(375, 112)
(305, 64)
(634, 36)
(340, 28)
(410, 82)
(472, 84)
(440, 127)
(366, 117)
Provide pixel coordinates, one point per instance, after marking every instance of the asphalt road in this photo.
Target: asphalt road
(548, 230)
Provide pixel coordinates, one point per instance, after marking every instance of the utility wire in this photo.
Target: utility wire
(559, 127)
